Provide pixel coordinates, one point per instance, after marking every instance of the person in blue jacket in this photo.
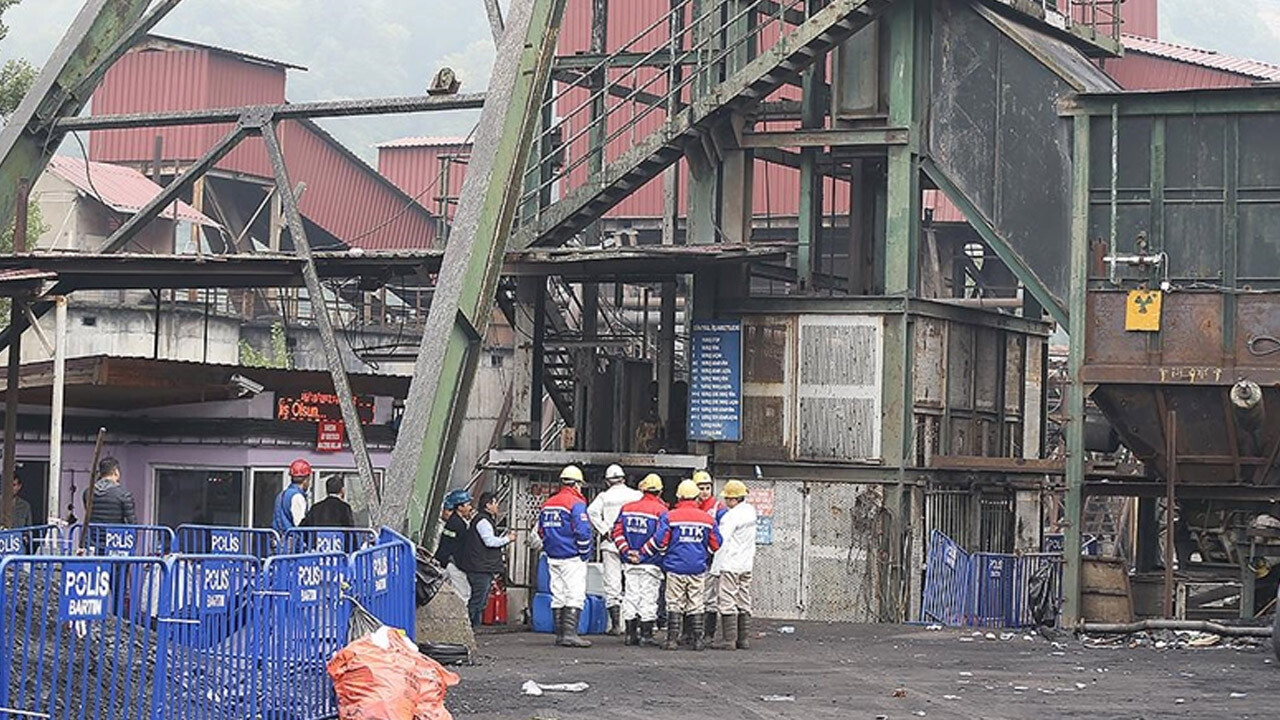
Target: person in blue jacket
(636, 525)
(687, 537)
(291, 503)
(566, 534)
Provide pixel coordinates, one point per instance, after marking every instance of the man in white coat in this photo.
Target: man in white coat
(732, 565)
(603, 513)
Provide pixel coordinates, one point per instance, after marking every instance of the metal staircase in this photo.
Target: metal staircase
(715, 57)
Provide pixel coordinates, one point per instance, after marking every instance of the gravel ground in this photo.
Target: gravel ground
(872, 671)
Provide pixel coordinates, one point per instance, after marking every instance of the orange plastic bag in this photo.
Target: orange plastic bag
(382, 676)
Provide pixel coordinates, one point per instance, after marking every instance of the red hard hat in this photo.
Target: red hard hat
(299, 468)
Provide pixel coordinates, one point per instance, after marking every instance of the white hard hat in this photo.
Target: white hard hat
(614, 474)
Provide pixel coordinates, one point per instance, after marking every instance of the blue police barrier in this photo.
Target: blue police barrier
(303, 601)
(123, 540)
(34, 540)
(214, 540)
(326, 540)
(77, 643)
(947, 582)
(382, 581)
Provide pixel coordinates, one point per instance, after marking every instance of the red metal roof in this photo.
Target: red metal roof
(344, 196)
(1211, 59)
(1141, 17)
(120, 188)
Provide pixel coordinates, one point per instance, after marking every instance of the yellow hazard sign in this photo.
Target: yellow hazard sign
(1142, 311)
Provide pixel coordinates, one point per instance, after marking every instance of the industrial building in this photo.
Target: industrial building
(823, 246)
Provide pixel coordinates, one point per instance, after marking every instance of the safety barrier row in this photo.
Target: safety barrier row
(204, 637)
(987, 589)
(157, 541)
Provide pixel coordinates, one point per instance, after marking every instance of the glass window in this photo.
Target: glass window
(359, 502)
(199, 496)
(266, 485)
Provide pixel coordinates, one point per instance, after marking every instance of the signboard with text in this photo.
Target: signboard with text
(329, 436)
(762, 500)
(715, 382)
(317, 407)
(86, 592)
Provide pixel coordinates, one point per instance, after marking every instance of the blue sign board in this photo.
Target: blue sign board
(120, 542)
(764, 530)
(1054, 543)
(86, 592)
(306, 585)
(329, 541)
(381, 569)
(215, 590)
(224, 541)
(715, 382)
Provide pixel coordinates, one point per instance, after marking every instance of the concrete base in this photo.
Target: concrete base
(444, 620)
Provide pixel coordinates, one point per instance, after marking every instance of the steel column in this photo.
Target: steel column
(902, 234)
(463, 301)
(320, 314)
(1075, 461)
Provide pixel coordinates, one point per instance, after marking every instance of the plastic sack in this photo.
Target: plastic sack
(429, 577)
(382, 676)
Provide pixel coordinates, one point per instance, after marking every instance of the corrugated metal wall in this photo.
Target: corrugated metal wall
(419, 171)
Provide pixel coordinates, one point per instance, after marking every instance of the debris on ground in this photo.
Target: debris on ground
(787, 630)
(900, 693)
(1169, 640)
(534, 688)
(777, 698)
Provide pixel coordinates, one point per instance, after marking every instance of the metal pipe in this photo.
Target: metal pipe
(290, 111)
(1156, 624)
(1171, 477)
(55, 410)
(1246, 398)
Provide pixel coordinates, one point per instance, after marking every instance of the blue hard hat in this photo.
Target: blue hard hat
(456, 498)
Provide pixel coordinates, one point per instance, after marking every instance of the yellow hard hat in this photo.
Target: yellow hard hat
(571, 474)
(687, 490)
(734, 489)
(702, 477)
(651, 483)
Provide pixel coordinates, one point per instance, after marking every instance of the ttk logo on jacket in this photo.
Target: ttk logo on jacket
(687, 537)
(564, 527)
(636, 526)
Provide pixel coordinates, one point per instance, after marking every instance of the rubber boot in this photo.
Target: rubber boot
(686, 624)
(674, 621)
(557, 617)
(699, 628)
(646, 634)
(633, 633)
(615, 621)
(571, 639)
(744, 631)
(710, 620)
(728, 634)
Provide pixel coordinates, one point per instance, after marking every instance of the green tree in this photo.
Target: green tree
(277, 357)
(16, 79)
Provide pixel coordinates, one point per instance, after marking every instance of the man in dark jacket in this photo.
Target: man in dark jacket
(111, 503)
(481, 555)
(333, 511)
(457, 517)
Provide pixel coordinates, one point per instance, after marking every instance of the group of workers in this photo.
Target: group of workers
(703, 549)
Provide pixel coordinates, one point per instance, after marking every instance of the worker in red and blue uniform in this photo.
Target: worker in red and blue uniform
(687, 537)
(713, 506)
(566, 533)
(635, 527)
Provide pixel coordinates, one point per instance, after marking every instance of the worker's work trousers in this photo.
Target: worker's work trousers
(458, 581)
(641, 599)
(710, 591)
(612, 567)
(568, 583)
(734, 593)
(686, 593)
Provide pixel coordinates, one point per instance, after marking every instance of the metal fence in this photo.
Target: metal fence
(199, 636)
(123, 540)
(327, 539)
(34, 540)
(989, 589)
(208, 539)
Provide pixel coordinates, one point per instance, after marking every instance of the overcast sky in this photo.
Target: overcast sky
(371, 48)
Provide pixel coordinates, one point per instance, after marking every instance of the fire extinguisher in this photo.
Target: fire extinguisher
(495, 611)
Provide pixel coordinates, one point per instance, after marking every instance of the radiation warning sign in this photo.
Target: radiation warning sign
(1142, 311)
